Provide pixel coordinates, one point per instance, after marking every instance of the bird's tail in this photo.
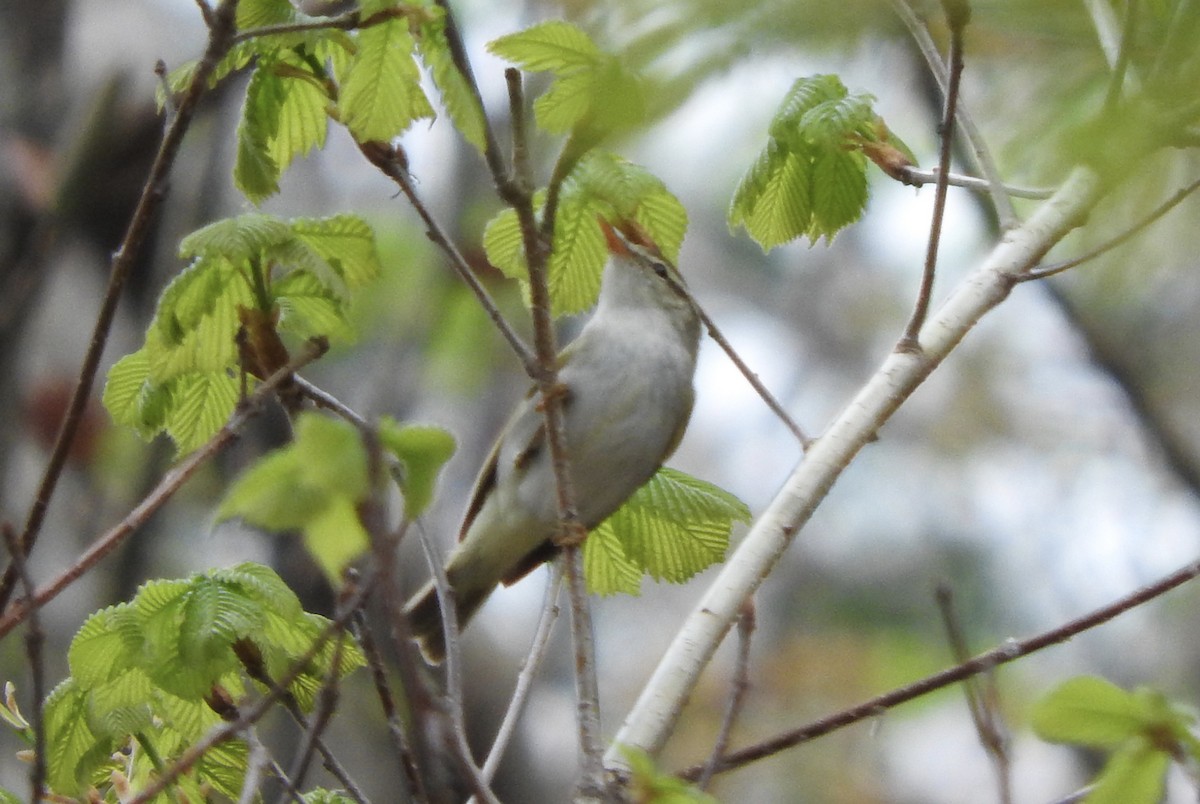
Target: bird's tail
(424, 611)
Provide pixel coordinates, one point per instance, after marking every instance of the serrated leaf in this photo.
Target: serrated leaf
(381, 95)
(120, 706)
(105, 646)
(606, 567)
(1088, 711)
(302, 121)
(772, 201)
(307, 308)
(123, 389)
(422, 450)
(555, 46)
(68, 739)
(202, 403)
(672, 527)
(839, 192)
(503, 244)
(567, 101)
(580, 251)
(255, 171)
(258, 13)
(237, 239)
(347, 242)
(457, 94)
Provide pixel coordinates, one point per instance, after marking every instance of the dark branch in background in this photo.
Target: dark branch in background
(34, 641)
(230, 730)
(1043, 271)
(1005, 653)
(741, 683)
(219, 41)
(983, 699)
(166, 488)
(958, 14)
(349, 21)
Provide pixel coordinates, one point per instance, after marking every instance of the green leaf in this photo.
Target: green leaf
(671, 528)
(607, 569)
(313, 485)
(422, 451)
(554, 46)
(649, 784)
(124, 393)
(106, 646)
(1088, 711)
(259, 13)
(302, 121)
(70, 744)
(381, 96)
(810, 179)
(201, 404)
(255, 171)
(308, 308)
(347, 242)
(322, 796)
(504, 246)
(238, 239)
(457, 94)
(1135, 774)
(121, 706)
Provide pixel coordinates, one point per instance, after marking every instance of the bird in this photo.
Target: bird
(626, 389)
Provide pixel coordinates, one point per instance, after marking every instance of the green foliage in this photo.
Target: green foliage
(810, 179)
(313, 485)
(298, 273)
(381, 92)
(593, 93)
(144, 676)
(1142, 728)
(457, 94)
(649, 785)
(602, 185)
(421, 450)
(671, 528)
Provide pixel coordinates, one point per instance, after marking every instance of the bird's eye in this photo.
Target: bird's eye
(660, 269)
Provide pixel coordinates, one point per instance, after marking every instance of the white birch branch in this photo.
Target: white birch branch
(653, 717)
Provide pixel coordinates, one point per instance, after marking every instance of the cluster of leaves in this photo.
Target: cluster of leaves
(1144, 731)
(810, 180)
(150, 677)
(252, 273)
(366, 78)
(316, 484)
(602, 185)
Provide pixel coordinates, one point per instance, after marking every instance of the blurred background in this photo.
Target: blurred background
(1048, 467)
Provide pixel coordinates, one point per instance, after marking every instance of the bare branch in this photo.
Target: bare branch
(984, 662)
(35, 640)
(741, 683)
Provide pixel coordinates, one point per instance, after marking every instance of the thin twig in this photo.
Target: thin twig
(1010, 651)
(453, 696)
(916, 177)
(394, 165)
(219, 41)
(171, 482)
(1043, 271)
(982, 699)
(715, 333)
(387, 701)
(741, 683)
(349, 21)
(529, 668)
(229, 730)
(315, 726)
(35, 639)
(522, 175)
(587, 687)
(957, 15)
(984, 163)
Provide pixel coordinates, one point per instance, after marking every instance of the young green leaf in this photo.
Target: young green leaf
(810, 179)
(422, 451)
(1088, 711)
(1136, 773)
(555, 46)
(671, 528)
(459, 98)
(381, 93)
(312, 485)
(649, 784)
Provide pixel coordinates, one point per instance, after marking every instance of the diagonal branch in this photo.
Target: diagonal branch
(654, 715)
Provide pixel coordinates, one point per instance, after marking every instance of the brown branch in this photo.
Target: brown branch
(1010, 651)
(741, 683)
(35, 639)
(166, 488)
(982, 699)
(957, 15)
(350, 21)
(220, 40)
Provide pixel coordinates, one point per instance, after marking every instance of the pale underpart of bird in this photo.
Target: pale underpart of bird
(627, 392)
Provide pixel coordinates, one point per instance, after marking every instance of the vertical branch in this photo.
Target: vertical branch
(220, 39)
(957, 14)
(741, 683)
(34, 641)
